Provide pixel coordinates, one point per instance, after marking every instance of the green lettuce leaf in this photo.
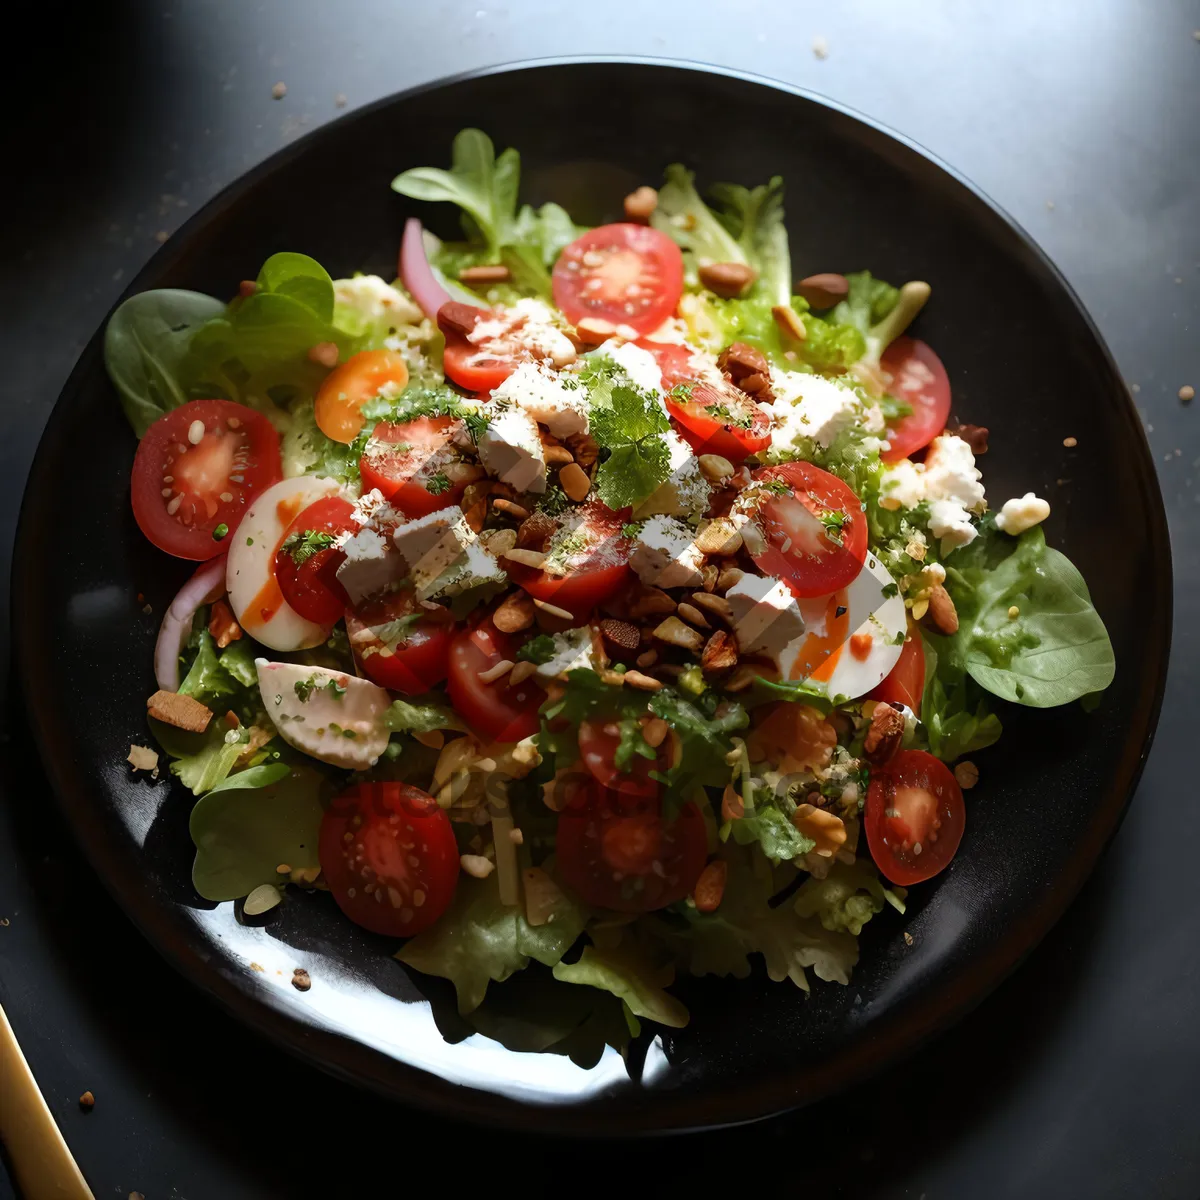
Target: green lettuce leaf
(867, 303)
(207, 679)
(479, 940)
(210, 763)
(769, 827)
(237, 661)
(245, 829)
(846, 899)
(755, 217)
(955, 715)
(688, 221)
(630, 975)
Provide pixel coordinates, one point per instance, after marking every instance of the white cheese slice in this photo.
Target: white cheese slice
(333, 717)
(432, 545)
(572, 651)
(557, 401)
(371, 565)
(639, 364)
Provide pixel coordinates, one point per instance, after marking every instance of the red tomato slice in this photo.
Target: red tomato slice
(389, 856)
(624, 274)
(905, 684)
(498, 711)
(616, 851)
(598, 749)
(914, 817)
(475, 367)
(197, 468)
(799, 548)
(404, 658)
(307, 571)
(348, 387)
(920, 380)
(401, 460)
(590, 575)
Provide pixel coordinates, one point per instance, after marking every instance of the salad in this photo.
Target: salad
(596, 598)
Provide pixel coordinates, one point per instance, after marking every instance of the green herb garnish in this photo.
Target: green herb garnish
(537, 650)
(834, 523)
(438, 484)
(300, 547)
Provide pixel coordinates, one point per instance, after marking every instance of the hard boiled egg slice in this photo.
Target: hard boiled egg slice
(254, 593)
(852, 638)
(331, 716)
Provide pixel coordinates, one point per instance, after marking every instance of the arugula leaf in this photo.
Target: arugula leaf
(145, 345)
(243, 830)
(629, 423)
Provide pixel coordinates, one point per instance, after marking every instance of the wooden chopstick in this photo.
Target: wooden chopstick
(40, 1159)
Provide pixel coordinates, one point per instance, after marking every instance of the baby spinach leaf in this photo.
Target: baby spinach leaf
(242, 833)
(145, 344)
(302, 278)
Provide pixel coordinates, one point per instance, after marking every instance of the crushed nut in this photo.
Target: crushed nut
(826, 829)
(655, 732)
(640, 203)
(650, 602)
(648, 659)
(183, 712)
(87, 1101)
(498, 541)
(498, 671)
(536, 532)
(585, 449)
(719, 536)
(521, 672)
(733, 807)
(675, 633)
(728, 577)
(823, 290)
(714, 468)
(574, 481)
(594, 331)
(884, 735)
(508, 506)
(789, 322)
(976, 436)
(717, 605)
(693, 616)
(709, 574)
(515, 614)
(643, 683)
(497, 273)
(967, 775)
(301, 980)
(720, 652)
(142, 758)
(527, 558)
(476, 865)
(943, 616)
(710, 887)
(556, 454)
(729, 280)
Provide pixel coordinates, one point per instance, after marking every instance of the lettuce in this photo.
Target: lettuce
(479, 940)
(422, 714)
(770, 827)
(755, 217)
(846, 899)
(868, 301)
(689, 222)
(955, 715)
(632, 976)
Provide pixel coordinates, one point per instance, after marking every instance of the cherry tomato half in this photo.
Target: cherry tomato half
(498, 711)
(914, 817)
(920, 380)
(306, 565)
(474, 366)
(389, 856)
(616, 851)
(197, 468)
(339, 400)
(402, 460)
(589, 575)
(403, 657)
(816, 537)
(598, 750)
(905, 684)
(624, 274)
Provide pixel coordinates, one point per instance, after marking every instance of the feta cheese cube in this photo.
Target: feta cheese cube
(810, 406)
(948, 480)
(370, 567)
(475, 569)
(766, 616)
(557, 401)
(1019, 515)
(572, 652)
(511, 449)
(665, 555)
(685, 493)
(432, 545)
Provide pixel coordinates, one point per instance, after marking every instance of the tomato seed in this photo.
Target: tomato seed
(196, 432)
(173, 507)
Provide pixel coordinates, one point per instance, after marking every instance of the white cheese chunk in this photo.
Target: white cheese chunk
(333, 717)
(529, 325)
(639, 364)
(371, 565)
(766, 616)
(810, 406)
(948, 480)
(557, 401)
(685, 493)
(572, 652)
(432, 545)
(511, 450)
(665, 554)
(1019, 515)
(373, 304)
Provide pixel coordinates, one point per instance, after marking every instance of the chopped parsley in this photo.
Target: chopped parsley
(306, 687)
(890, 590)
(630, 424)
(554, 502)
(834, 523)
(300, 547)
(537, 650)
(729, 418)
(633, 529)
(777, 487)
(438, 484)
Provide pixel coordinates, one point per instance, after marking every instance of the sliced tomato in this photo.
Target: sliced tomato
(474, 366)
(306, 564)
(389, 856)
(804, 546)
(905, 683)
(587, 576)
(499, 711)
(598, 745)
(624, 274)
(196, 471)
(395, 652)
(339, 400)
(616, 851)
(920, 380)
(403, 460)
(914, 817)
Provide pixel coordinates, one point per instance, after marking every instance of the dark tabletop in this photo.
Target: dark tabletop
(1081, 1075)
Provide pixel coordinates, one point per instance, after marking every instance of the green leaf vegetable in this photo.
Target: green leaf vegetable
(755, 217)
(636, 980)
(420, 715)
(629, 423)
(880, 312)
(847, 898)
(955, 716)
(301, 546)
(684, 217)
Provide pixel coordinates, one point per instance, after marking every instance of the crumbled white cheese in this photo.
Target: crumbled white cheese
(370, 506)
(665, 554)
(685, 492)
(673, 331)
(639, 364)
(372, 303)
(948, 480)
(766, 616)
(1019, 515)
(476, 568)
(370, 565)
(511, 449)
(557, 401)
(529, 325)
(810, 406)
(572, 651)
(433, 545)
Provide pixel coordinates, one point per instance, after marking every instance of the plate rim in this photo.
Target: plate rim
(256, 1007)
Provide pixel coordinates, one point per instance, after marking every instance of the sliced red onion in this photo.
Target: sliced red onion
(416, 273)
(204, 587)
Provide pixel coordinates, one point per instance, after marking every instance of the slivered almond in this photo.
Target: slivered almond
(717, 605)
(553, 610)
(521, 672)
(789, 322)
(574, 481)
(675, 633)
(644, 683)
(728, 577)
(500, 504)
(710, 574)
(648, 659)
(692, 615)
(651, 602)
(498, 273)
(593, 331)
(501, 669)
(527, 558)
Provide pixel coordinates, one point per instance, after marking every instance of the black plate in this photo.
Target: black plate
(1024, 360)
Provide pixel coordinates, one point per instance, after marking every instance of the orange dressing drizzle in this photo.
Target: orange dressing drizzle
(819, 654)
(860, 646)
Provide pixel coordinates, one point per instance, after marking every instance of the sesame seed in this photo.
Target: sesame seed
(234, 423)
(226, 497)
(916, 847)
(167, 493)
(196, 432)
